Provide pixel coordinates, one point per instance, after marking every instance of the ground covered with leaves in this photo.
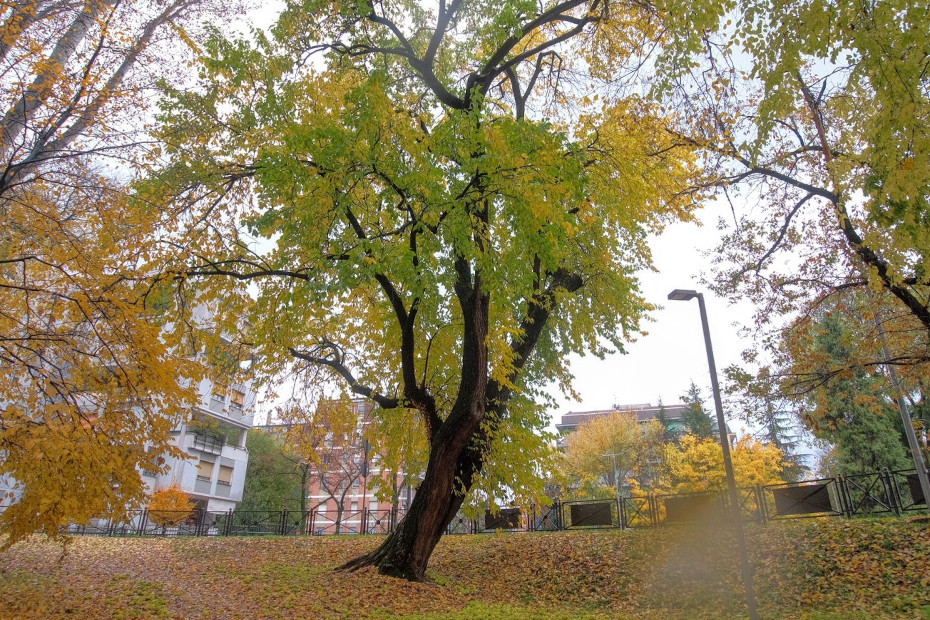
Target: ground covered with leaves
(815, 569)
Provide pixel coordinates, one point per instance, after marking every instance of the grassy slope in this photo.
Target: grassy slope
(812, 568)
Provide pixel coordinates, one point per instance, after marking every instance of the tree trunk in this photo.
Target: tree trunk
(452, 465)
(457, 450)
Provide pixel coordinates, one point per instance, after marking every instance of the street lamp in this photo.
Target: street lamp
(685, 295)
(616, 472)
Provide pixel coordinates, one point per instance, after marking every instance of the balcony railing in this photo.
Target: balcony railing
(206, 443)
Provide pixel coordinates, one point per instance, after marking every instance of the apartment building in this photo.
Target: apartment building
(644, 412)
(213, 437)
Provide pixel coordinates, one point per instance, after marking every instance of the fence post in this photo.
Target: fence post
(890, 495)
(282, 523)
(229, 518)
(621, 511)
(897, 494)
(760, 503)
(846, 503)
(144, 522)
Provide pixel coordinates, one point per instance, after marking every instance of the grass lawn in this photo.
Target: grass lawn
(819, 569)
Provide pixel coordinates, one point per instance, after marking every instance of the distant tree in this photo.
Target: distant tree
(697, 420)
(332, 445)
(169, 506)
(611, 455)
(273, 477)
(758, 399)
(669, 433)
(848, 405)
(696, 464)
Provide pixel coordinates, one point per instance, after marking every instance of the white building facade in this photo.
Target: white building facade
(213, 437)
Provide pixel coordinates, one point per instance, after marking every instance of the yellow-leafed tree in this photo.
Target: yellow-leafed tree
(458, 196)
(613, 454)
(89, 378)
(697, 464)
(169, 506)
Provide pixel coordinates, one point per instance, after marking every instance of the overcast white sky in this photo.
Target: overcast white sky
(662, 364)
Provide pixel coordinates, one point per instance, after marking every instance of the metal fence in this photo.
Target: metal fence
(885, 493)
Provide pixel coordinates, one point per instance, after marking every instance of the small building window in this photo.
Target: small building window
(236, 400)
(205, 470)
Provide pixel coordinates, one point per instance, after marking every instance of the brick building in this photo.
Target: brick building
(346, 476)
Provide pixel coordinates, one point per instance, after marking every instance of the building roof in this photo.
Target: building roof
(644, 412)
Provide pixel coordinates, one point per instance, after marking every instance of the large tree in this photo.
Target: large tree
(90, 386)
(455, 197)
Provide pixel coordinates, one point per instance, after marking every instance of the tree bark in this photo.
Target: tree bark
(406, 551)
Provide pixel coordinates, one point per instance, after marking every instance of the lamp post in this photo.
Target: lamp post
(685, 295)
(614, 456)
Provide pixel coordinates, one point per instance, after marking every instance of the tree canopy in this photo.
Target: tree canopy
(696, 464)
(815, 117)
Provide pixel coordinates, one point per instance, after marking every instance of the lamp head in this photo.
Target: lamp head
(682, 295)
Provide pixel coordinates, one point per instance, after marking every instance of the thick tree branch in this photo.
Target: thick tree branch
(865, 253)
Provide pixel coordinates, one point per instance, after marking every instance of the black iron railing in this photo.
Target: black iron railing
(885, 493)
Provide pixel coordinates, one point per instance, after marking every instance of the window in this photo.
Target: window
(205, 470)
(353, 507)
(148, 472)
(236, 400)
(225, 476)
(233, 435)
(218, 395)
(219, 389)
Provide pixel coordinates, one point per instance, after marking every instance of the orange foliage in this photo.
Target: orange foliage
(169, 506)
